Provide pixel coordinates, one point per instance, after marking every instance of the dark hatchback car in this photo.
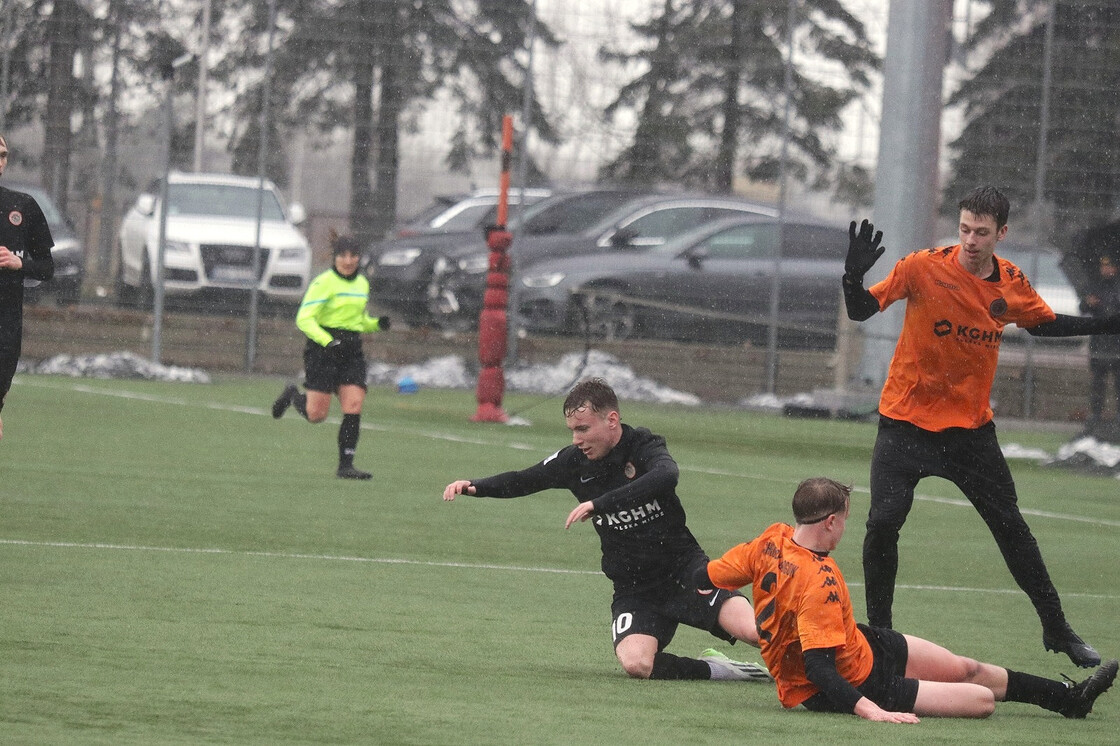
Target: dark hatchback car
(626, 225)
(69, 256)
(400, 267)
(711, 284)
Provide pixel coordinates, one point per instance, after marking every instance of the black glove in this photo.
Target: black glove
(334, 346)
(863, 250)
(383, 323)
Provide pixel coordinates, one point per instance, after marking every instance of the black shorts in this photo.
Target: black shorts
(325, 369)
(886, 685)
(658, 612)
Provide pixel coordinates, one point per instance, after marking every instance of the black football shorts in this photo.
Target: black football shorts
(327, 368)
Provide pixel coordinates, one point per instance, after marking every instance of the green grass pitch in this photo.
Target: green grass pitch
(177, 567)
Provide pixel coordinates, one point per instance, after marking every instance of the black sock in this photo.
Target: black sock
(1035, 690)
(348, 438)
(669, 667)
(299, 401)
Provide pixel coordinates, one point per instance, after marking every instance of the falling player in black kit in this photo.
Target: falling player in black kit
(25, 252)
(625, 481)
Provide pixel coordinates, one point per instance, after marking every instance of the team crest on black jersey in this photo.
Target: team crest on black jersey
(998, 307)
(630, 470)
(15, 217)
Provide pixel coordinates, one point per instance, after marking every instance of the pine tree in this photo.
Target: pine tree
(712, 97)
(368, 65)
(1002, 109)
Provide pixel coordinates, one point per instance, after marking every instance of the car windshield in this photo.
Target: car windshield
(222, 200)
(467, 219)
(573, 213)
(58, 223)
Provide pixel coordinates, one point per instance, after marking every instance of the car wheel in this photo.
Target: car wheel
(607, 317)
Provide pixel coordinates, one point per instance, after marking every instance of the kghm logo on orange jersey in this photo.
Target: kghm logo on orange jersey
(970, 334)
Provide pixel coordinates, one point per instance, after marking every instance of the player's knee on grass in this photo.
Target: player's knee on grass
(637, 663)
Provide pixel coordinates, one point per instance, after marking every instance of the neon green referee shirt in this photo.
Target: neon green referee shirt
(335, 302)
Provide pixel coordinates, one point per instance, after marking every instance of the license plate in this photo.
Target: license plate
(238, 275)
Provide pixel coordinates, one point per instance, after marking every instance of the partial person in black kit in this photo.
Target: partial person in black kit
(25, 253)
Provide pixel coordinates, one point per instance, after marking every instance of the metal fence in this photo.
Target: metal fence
(1029, 105)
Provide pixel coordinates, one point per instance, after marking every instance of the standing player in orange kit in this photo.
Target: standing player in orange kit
(934, 413)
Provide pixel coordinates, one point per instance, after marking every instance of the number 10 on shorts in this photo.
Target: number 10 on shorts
(621, 624)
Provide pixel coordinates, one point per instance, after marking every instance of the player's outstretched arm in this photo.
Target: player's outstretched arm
(458, 487)
(1075, 326)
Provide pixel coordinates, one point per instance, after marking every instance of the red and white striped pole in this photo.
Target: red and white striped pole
(493, 320)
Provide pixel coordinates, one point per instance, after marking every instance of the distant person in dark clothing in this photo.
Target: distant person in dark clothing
(25, 252)
(1104, 350)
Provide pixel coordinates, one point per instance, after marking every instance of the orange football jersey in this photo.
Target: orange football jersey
(945, 360)
(801, 602)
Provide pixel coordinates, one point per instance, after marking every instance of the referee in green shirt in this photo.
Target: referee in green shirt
(333, 316)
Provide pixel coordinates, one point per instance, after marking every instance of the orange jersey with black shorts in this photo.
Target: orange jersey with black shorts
(945, 360)
(801, 602)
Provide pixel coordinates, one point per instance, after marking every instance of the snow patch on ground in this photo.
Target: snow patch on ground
(113, 365)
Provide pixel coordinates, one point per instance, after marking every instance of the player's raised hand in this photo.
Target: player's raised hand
(863, 250)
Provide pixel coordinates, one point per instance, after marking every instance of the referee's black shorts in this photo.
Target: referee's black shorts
(886, 685)
(327, 368)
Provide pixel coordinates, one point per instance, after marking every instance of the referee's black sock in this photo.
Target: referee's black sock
(669, 667)
(1035, 690)
(348, 438)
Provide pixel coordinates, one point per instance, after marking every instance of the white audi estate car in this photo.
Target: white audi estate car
(210, 240)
